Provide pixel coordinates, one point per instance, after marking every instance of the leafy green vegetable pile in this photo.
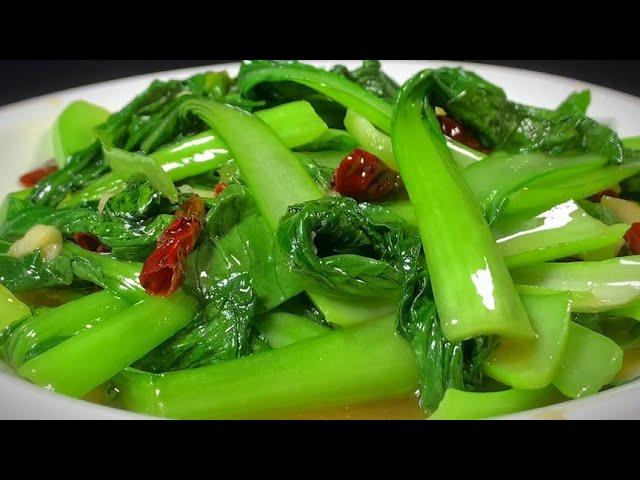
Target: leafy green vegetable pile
(216, 261)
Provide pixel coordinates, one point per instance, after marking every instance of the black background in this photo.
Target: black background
(22, 79)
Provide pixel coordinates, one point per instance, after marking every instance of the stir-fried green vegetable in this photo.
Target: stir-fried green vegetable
(299, 238)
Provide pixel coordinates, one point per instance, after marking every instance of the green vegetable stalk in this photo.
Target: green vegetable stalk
(50, 327)
(370, 138)
(373, 140)
(593, 286)
(90, 358)
(74, 129)
(545, 193)
(277, 180)
(534, 364)
(345, 367)
(474, 292)
(496, 178)
(13, 310)
(591, 361)
(281, 329)
(460, 405)
(296, 123)
(562, 231)
(333, 85)
(271, 171)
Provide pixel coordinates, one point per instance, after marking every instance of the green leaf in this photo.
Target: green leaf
(138, 201)
(344, 248)
(131, 240)
(223, 331)
(126, 164)
(239, 240)
(330, 84)
(32, 271)
(372, 78)
(505, 125)
(81, 168)
(441, 364)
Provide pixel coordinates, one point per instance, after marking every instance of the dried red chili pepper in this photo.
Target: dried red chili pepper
(192, 207)
(598, 196)
(163, 271)
(456, 131)
(363, 176)
(90, 242)
(31, 178)
(219, 189)
(633, 238)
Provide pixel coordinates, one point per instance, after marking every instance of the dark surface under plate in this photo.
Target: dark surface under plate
(22, 79)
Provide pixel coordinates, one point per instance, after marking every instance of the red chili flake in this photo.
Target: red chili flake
(456, 131)
(363, 176)
(31, 178)
(219, 189)
(598, 196)
(90, 242)
(163, 271)
(633, 238)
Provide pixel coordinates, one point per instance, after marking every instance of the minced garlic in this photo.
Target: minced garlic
(46, 238)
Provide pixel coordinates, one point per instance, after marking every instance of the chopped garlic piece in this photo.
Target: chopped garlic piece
(624, 210)
(46, 238)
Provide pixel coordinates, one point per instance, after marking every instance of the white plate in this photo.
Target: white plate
(23, 128)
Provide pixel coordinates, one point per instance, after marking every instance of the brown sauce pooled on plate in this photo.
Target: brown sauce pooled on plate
(396, 409)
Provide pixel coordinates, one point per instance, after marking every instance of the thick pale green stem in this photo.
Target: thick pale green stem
(373, 140)
(474, 292)
(52, 326)
(593, 286)
(11, 309)
(562, 231)
(459, 405)
(548, 192)
(273, 173)
(282, 329)
(352, 365)
(534, 364)
(494, 179)
(590, 362)
(81, 363)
